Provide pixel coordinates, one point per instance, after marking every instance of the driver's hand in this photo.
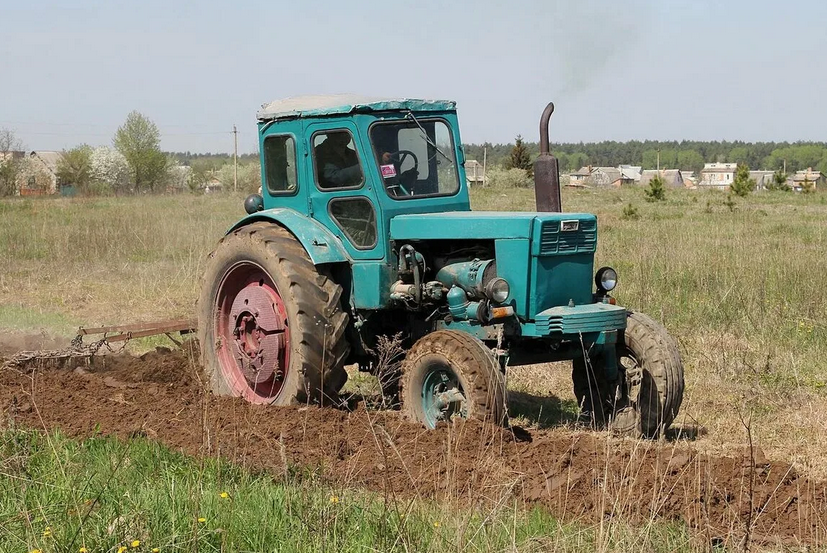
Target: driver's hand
(386, 158)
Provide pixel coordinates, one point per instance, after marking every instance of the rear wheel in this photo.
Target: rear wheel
(648, 393)
(449, 374)
(270, 324)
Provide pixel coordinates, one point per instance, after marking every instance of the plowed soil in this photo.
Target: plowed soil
(576, 475)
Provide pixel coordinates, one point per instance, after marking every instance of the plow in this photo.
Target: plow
(92, 341)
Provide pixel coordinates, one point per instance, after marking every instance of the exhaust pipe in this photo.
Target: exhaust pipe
(547, 170)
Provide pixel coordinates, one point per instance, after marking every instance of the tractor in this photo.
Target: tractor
(363, 228)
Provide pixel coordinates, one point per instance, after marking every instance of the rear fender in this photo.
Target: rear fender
(319, 243)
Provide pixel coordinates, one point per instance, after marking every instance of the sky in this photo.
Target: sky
(750, 70)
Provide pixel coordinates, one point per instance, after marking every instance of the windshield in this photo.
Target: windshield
(415, 158)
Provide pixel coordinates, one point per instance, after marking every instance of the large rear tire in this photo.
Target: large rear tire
(449, 374)
(270, 324)
(647, 396)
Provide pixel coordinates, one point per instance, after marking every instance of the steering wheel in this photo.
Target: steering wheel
(400, 156)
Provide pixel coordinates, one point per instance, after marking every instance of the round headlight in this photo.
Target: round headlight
(497, 290)
(606, 279)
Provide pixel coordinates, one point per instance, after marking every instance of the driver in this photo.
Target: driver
(337, 164)
(390, 166)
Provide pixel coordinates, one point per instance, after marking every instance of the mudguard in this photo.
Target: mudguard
(319, 243)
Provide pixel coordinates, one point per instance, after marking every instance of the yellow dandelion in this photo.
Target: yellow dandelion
(135, 543)
(334, 499)
(83, 550)
(224, 495)
(437, 524)
(121, 549)
(202, 519)
(35, 551)
(155, 550)
(47, 532)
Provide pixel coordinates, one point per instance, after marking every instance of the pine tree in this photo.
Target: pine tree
(778, 181)
(657, 190)
(742, 185)
(520, 158)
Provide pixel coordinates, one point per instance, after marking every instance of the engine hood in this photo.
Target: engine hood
(482, 225)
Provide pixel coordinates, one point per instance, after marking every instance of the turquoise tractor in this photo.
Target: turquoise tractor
(364, 229)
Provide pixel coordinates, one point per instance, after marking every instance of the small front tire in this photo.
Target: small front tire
(648, 394)
(449, 374)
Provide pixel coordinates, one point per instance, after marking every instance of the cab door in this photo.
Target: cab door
(342, 196)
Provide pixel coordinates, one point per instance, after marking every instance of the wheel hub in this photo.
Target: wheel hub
(258, 333)
(443, 397)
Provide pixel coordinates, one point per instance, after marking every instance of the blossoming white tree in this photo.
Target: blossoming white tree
(110, 171)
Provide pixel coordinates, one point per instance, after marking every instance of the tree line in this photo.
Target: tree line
(687, 155)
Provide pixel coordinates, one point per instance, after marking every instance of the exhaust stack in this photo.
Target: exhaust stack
(547, 170)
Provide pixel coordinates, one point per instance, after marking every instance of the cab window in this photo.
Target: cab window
(280, 164)
(355, 216)
(415, 158)
(336, 160)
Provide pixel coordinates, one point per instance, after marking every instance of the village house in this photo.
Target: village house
(717, 175)
(806, 177)
(630, 174)
(671, 177)
(579, 177)
(36, 172)
(474, 173)
(604, 176)
(763, 179)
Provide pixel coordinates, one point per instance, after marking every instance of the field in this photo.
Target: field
(738, 286)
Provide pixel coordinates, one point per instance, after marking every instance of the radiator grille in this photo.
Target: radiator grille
(582, 240)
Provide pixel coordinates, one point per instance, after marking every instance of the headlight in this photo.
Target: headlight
(497, 290)
(606, 279)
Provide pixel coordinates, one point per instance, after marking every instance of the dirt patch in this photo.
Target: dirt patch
(581, 476)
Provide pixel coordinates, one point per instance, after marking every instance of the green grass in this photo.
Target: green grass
(60, 495)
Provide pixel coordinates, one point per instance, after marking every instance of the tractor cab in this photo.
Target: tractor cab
(354, 163)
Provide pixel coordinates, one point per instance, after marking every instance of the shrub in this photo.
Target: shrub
(630, 213)
(508, 178)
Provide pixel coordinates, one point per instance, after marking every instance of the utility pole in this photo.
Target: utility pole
(484, 159)
(658, 161)
(235, 159)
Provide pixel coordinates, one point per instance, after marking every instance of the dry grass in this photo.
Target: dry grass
(742, 291)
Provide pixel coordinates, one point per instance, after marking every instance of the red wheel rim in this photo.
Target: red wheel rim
(252, 334)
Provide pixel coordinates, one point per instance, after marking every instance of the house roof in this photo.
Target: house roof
(807, 174)
(719, 167)
(672, 177)
(582, 172)
(612, 173)
(630, 172)
(48, 158)
(341, 104)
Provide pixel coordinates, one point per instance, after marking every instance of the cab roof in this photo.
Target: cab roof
(341, 104)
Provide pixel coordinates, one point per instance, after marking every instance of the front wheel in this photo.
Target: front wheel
(449, 374)
(646, 397)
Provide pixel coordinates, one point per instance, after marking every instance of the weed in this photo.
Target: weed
(630, 212)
